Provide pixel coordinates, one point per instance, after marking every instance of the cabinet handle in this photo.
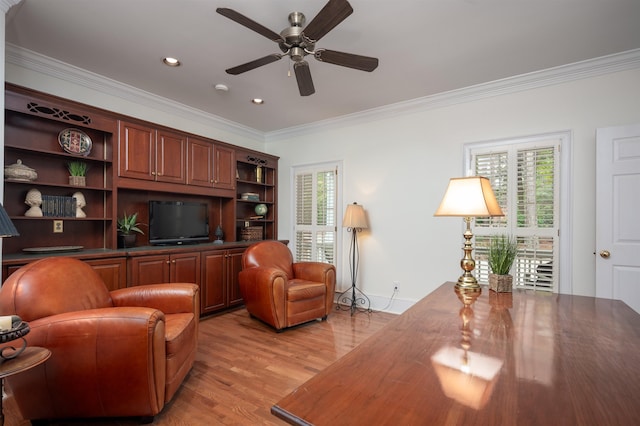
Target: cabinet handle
(153, 173)
(168, 262)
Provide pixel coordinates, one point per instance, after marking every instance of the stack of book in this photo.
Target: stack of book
(58, 206)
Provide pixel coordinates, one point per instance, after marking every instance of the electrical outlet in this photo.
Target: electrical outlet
(396, 286)
(57, 227)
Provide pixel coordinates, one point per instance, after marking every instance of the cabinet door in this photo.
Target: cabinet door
(112, 271)
(213, 290)
(234, 266)
(185, 268)
(137, 151)
(200, 163)
(148, 270)
(171, 153)
(224, 167)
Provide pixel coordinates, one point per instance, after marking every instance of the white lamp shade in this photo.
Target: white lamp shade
(354, 217)
(469, 197)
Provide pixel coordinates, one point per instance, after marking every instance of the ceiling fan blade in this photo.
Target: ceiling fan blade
(254, 64)
(350, 60)
(303, 75)
(249, 23)
(334, 12)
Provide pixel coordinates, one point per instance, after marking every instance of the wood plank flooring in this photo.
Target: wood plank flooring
(243, 367)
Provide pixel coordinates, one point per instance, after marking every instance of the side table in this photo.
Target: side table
(29, 358)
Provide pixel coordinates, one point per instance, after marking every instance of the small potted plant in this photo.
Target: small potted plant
(128, 226)
(78, 173)
(502, 253)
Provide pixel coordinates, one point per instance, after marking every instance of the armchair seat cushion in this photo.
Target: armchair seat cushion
(303, 290)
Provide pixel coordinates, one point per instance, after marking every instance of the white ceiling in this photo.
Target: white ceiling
(425, 47)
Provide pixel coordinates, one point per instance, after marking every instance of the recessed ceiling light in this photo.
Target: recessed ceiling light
(172, 62)
(257, 101)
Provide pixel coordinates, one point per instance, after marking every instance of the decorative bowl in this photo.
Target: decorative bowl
(20, 172)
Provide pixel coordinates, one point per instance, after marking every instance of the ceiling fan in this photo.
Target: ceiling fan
(297, 42)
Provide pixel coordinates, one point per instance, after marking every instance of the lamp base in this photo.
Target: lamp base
(467, 282)
(358, 302)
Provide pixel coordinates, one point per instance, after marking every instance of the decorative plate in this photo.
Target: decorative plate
(75, 141)
(51, 249)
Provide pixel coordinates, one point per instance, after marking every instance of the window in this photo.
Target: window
(315, 229)
(525, 176)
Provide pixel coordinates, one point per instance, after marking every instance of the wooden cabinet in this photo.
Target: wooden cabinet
(210, 165)
(220, 287)
(33, 126)
(113, 271)
(224, 167)
(200, 162)
(149, 154)
(164, 268)
(256, 183)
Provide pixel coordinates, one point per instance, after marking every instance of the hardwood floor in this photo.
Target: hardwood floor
(243, 367)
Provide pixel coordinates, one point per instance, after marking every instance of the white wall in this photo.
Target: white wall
(398, 168)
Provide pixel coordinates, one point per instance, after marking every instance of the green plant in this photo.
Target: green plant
(129, 224)
(77, 168)
(502, 253)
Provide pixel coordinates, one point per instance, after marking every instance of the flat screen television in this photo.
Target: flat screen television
(178, 222)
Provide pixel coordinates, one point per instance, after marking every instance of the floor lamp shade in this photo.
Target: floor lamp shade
(354, 217)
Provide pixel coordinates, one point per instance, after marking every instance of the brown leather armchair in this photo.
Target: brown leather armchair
(283, 293)
(114, 354)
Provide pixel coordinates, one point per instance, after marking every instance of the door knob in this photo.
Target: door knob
(605, 254)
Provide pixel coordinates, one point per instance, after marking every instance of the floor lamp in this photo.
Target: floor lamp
(353, 298)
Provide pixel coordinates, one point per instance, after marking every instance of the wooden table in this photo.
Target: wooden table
(29, 358)
(527, 358)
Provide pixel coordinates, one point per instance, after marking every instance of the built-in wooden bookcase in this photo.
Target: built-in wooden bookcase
(32, 126)
(130, 163)
(257, 175)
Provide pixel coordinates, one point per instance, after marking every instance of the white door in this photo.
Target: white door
(618, 214)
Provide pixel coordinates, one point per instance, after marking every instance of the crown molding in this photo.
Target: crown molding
(5, 5)
(51, 67)
(562, 74)
(585, 69)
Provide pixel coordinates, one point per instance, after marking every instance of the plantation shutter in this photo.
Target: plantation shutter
(524, 177)
(315, 214)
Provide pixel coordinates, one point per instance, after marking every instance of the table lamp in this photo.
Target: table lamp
(469, 197)
(7, 229)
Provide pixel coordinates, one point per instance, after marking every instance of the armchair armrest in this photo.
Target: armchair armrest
(263, 290)
(171, 298)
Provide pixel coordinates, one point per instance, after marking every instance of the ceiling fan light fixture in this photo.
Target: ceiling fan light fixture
(172, 62)
(221, 87)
